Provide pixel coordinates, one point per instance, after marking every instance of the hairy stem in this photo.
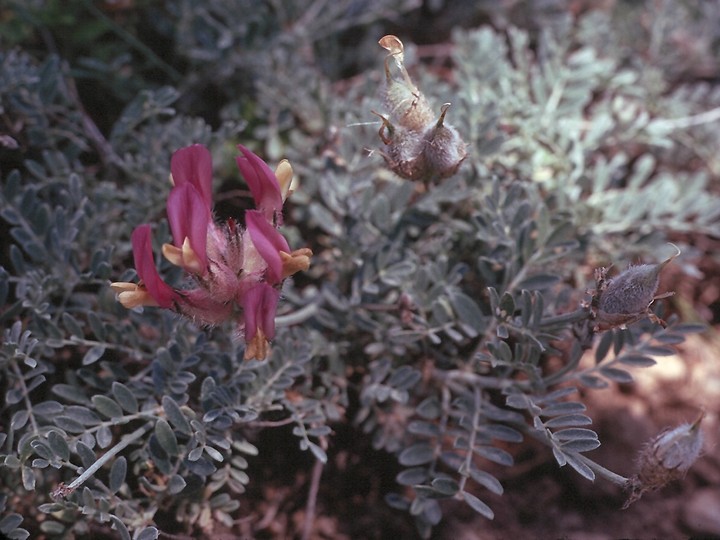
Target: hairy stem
(107, 456)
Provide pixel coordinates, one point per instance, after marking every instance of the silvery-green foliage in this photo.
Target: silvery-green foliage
(428, 319)
(566, 102)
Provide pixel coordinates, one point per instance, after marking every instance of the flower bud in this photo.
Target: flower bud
(666, 458)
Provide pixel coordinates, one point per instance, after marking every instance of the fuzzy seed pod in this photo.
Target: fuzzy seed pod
(403, 150)
(444, 150)
(406, 105)
(627, 297)
(666, 458)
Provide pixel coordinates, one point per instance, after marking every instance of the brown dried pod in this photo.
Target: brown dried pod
(403, 150)
(666, 458)
(406, 105)
(417, 146)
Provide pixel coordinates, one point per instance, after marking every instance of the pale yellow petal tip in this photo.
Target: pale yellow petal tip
(184, 257)
(173, 254)
(297, 261)
(284, 175)
(132, 295)
(257, 348)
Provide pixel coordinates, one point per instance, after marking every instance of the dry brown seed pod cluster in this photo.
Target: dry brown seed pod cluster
(418, 145)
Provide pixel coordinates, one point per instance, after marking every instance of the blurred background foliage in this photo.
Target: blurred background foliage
(433, 319)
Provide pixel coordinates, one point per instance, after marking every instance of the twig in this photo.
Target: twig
(102, 146)
(297, 316)
(271, 423)
(687, 121)
(312, 500)
(602, 471)
(63, 490)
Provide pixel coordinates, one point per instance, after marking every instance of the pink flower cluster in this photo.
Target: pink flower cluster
(235, 271)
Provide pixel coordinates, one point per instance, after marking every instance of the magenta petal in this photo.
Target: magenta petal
(262, 182)
(160, 291)
(259, 307)
(189, 218)
(269, 243)
(193, 165)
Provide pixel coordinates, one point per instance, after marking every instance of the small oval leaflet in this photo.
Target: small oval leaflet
(104, 437)
(117, 474)
(568, 421)
(149, 533)
(503, 433)
(446, 486)
(496, 455)
(575, 433)
(486, 479)
(68, 424)
(59, 445)
(125, 397)
(412, 476)
(214, 454)
(47, 408)
(10, 522)
(42, 449)
(636, 360)
(176, 484)
(420, 427)
(166, 437)
(70, 393)
(83, 415)
(106, 406)
(87, 456)
(567, 407)
(19, 419)
(318, 452)
(52, 527)
(195, 454)
(416, 454)
(93, 355)
(581, 445)
(659, 350)
(28, 478)
(477, 505)
(120, 527)
(593, 382)
(579, 466)
(429, 408)
(617, 375)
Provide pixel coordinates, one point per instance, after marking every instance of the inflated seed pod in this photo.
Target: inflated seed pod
(443, 149)
(666, 458)
(406, 105)
(628, 296)
(403, 150)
